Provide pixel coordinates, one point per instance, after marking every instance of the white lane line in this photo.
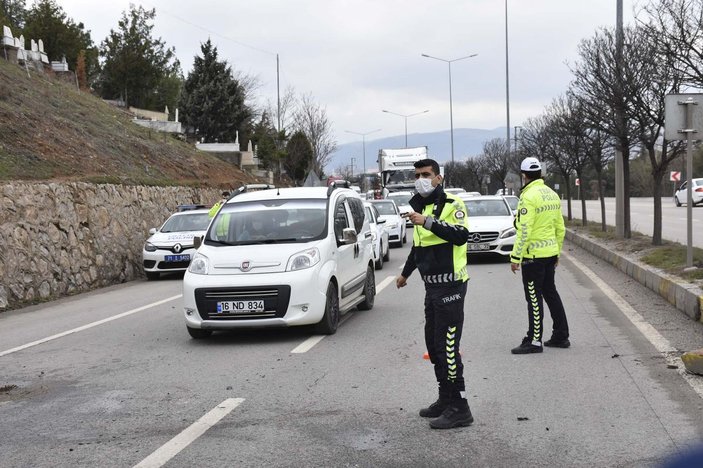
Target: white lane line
(384, 283)
(653, 336)
(308, 344)
(171, 448)
(90, 325)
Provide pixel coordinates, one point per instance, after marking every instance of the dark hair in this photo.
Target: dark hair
(427, 162)
(225, 194)
(533, 175)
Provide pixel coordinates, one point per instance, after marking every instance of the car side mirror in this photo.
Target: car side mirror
(197, 241)
(349, 236)
(152, 231)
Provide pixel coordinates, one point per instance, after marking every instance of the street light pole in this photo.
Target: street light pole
(451, 111)
(363, 142)
(405, 116)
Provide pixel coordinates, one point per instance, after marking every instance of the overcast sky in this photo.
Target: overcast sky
(359, 57)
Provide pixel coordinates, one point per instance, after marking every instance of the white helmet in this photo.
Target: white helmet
(530, 164)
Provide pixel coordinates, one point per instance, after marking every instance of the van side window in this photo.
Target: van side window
(340, 219)
(357, 209)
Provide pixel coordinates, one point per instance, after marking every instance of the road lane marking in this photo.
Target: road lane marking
(308, 344)
(384, 283)
(661, 344)
(174, 446)
(90, 325)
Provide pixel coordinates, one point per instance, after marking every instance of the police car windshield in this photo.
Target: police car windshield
(269, 222)
(186, 223)
(486, 208)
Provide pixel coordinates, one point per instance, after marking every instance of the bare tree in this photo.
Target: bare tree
(599, 87)
(476, 173)
(678, 27)
(496, 159)
(311, 119)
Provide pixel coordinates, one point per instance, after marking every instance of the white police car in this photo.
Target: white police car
(280, 258)
(170, 247)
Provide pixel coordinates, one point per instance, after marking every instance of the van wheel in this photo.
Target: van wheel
(369, 290)
(387, 257)
(405, 238)
(676, 200)
(330, 321)
(152, 275)
(198, 333)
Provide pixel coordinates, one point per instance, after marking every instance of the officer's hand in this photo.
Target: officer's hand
(416, 218)
(514, 267)
(401, 281)
(556, 264)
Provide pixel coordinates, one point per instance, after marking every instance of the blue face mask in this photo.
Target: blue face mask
(424, 187)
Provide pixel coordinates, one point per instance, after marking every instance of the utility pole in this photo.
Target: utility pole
(507, 82)
(353, 160)
(619, 164)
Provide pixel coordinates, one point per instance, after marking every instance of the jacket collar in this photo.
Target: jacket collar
(533, 183)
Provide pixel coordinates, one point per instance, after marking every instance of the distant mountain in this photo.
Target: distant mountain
(467, 142)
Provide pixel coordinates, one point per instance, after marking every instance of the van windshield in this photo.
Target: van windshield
(269, 222)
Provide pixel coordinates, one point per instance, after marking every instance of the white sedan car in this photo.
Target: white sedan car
(395, 225)
(402, 199)
(379, 236)
(170, 247)
(681, 195)
(491, 227)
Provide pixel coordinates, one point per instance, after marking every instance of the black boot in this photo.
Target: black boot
(456, 414)
(526, 347)
(435, 409)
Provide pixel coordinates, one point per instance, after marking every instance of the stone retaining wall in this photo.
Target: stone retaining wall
(59, 239)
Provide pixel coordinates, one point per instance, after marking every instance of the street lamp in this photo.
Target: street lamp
(405, 116)
(363, 140)
(451, 115)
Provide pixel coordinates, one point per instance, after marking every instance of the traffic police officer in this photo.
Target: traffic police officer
(540, 235)
(439, 253)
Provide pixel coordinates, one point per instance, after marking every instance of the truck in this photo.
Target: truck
(396, 168)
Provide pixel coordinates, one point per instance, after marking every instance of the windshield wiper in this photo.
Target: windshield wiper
(217, 242)
(272, 241)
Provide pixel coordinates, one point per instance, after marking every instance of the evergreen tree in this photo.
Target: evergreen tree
(213, 101)
(299, 156)
(136, 64)
(12, 14)
(61, 36)
(264, 137)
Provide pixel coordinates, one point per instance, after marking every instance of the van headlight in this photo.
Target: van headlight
(392, 225)
(149, 247)
(508, 233)
(199, 264)
(302, 260)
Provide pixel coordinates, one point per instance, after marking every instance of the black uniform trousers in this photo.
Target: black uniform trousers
(538, 282)
(444, 319)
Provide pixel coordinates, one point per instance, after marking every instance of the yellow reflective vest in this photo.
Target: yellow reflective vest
(439, 247)
(539, 223)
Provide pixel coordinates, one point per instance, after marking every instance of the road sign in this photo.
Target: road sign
(675, 176)
(675, 116)
(578, 182)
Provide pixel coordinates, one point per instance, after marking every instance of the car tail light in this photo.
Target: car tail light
(699, 189)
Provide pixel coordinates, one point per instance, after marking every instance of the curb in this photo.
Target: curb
(685, 297)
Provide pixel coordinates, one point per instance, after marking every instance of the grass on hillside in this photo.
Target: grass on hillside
(52, 131)
(669, 257)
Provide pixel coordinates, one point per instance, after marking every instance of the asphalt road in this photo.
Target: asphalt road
(642, 217)
(134, 389)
